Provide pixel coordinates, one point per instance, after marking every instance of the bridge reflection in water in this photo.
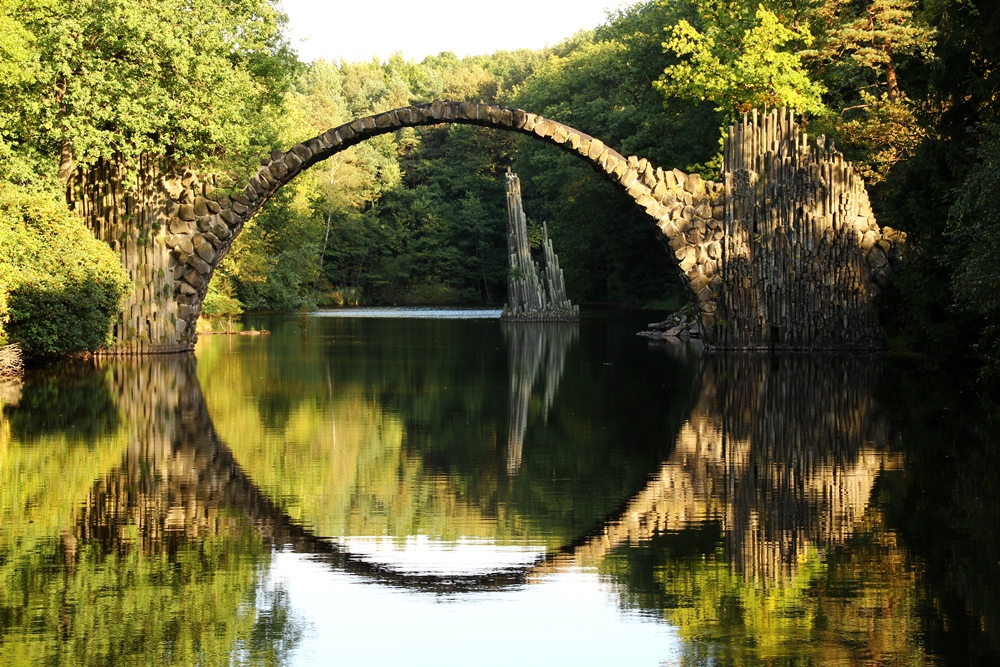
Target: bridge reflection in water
(780, 454)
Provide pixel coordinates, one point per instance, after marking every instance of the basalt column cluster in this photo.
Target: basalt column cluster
(803, 257)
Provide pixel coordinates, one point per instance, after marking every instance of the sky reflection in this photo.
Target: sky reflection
(566, 618)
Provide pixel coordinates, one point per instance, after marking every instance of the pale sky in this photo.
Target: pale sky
(361, 29)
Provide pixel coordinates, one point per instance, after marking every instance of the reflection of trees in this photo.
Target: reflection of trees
(402, 430)
(537, 350)
(153, 568)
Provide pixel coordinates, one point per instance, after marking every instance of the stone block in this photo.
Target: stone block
(173, 187)
(213, 240)
(596, 148)
(694, 236)
(346, 132)
(214, 206)
(877, 258)
(318, 145)
(693, 183)
(670, 230)
(188, 289)
(543, 128)
(610, 164)
(714, 250)
(186, 213)
(649, 176)
(333, 138)
(276, 154)
(229, 217)
(467, 110)
(293, 162)
(637, 189)
(278, 170)
(384, 121)
(257, 186)
(204, 223)
(628, 178)
(677, 241)
(620, 169)
(192, 277)
(514, 118)
(560, 135)
(574, 141)
(198, 264)
(686, 258)
(266, 178)
(220, 230)
(530, 120)
(178, 226)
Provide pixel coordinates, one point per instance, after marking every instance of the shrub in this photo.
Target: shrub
(60, 288)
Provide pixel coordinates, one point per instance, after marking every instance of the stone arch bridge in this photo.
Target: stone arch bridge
(783, 252)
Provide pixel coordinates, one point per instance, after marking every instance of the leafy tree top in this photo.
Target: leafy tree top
(191, 78)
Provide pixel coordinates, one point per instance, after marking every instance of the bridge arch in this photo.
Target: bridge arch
(195, 226)
(783, 253)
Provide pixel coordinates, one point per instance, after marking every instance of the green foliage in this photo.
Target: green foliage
(740, 57)
(60, 289)
(118, 78)
(220, 303)
(976, 219)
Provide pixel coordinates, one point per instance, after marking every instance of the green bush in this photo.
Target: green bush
(60, 288)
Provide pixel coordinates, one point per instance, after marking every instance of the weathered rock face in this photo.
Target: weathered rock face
(802, 254)
(823, 254)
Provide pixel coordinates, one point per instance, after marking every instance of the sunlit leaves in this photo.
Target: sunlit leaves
(753, 65)
(195, 79)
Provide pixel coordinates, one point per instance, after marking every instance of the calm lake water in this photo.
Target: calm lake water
(456, 491)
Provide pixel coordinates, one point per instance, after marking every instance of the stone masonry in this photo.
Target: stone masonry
(173, 228)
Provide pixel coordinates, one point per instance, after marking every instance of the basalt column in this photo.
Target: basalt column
(534, 294)
(170, 232)
(803, 257)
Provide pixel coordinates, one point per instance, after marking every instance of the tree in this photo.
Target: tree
(741, 56)
(113, 79)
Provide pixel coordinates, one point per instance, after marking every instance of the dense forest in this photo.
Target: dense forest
(908, 89)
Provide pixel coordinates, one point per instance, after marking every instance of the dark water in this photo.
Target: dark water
(413, 491)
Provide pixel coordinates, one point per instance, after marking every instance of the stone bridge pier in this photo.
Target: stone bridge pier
(782, 252)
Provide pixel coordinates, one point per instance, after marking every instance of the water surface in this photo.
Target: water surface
(373, 490)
